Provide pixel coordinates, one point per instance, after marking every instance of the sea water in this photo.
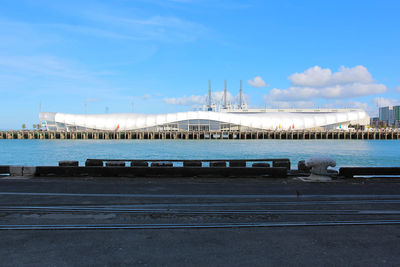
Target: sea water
(345, 152)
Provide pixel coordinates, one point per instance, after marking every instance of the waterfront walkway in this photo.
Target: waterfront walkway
(196, 135)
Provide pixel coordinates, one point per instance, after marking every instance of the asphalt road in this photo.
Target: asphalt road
(200, 202)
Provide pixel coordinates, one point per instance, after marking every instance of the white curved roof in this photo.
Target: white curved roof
(263, 120)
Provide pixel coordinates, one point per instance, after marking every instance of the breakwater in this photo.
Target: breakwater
(196, 135)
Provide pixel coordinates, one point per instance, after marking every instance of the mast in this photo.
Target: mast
(225, 94)
(209, 95)
(240, 95)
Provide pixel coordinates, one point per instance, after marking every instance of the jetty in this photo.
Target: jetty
(210, 135)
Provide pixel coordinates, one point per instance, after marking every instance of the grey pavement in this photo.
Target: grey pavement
(362, 245)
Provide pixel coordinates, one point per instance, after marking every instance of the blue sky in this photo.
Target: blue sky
(157, 56)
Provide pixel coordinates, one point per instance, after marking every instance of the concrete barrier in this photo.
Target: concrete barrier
(214, 164)
(68, 163)
(93, 163)
(115, 164)
(21, 171)
(235, 163)
(260, 165)
(161, 164)
(139, 163)
(192, 163)
(16, 170)
(28, 171)
(281, 163)
(5, 169)
(170, 172)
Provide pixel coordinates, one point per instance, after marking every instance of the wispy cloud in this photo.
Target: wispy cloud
(49, 75)
(220, 4)
(48, 66)
(154, 28)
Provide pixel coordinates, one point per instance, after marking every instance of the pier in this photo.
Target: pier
(202, 135)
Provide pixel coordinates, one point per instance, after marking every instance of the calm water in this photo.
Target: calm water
(345, 152)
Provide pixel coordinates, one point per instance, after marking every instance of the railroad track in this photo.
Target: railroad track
(194, 226)
(242, 204)
(168, 211)
(211, 196)
(309, 210)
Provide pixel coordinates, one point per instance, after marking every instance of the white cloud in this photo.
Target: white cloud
(330, 92)
(186, 101)
(146, 97)
(315, 76)
(368, 107)
(257, 82)
(218, 97)
(292, 104)
(357, 104)
(398, 88)
(357, 74)
(384, 102)
(316, 82)
(319, 77)
(351, 104)
(198, 100)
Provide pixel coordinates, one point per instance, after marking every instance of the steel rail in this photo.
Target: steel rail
(275, 203)
(239, 196)
(241, 204)
(234, 204)
(194, 226)
(196, 212)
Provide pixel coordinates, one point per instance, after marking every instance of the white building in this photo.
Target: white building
(224, 120)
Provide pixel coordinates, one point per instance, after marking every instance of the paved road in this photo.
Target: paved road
(191, 202)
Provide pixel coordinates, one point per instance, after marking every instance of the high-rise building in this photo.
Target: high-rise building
(389, 115)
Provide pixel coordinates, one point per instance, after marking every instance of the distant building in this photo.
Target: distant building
(389, 116)
(374, 122)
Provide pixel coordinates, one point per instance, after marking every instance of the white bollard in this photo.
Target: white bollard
(319, 165)
(319, 169)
